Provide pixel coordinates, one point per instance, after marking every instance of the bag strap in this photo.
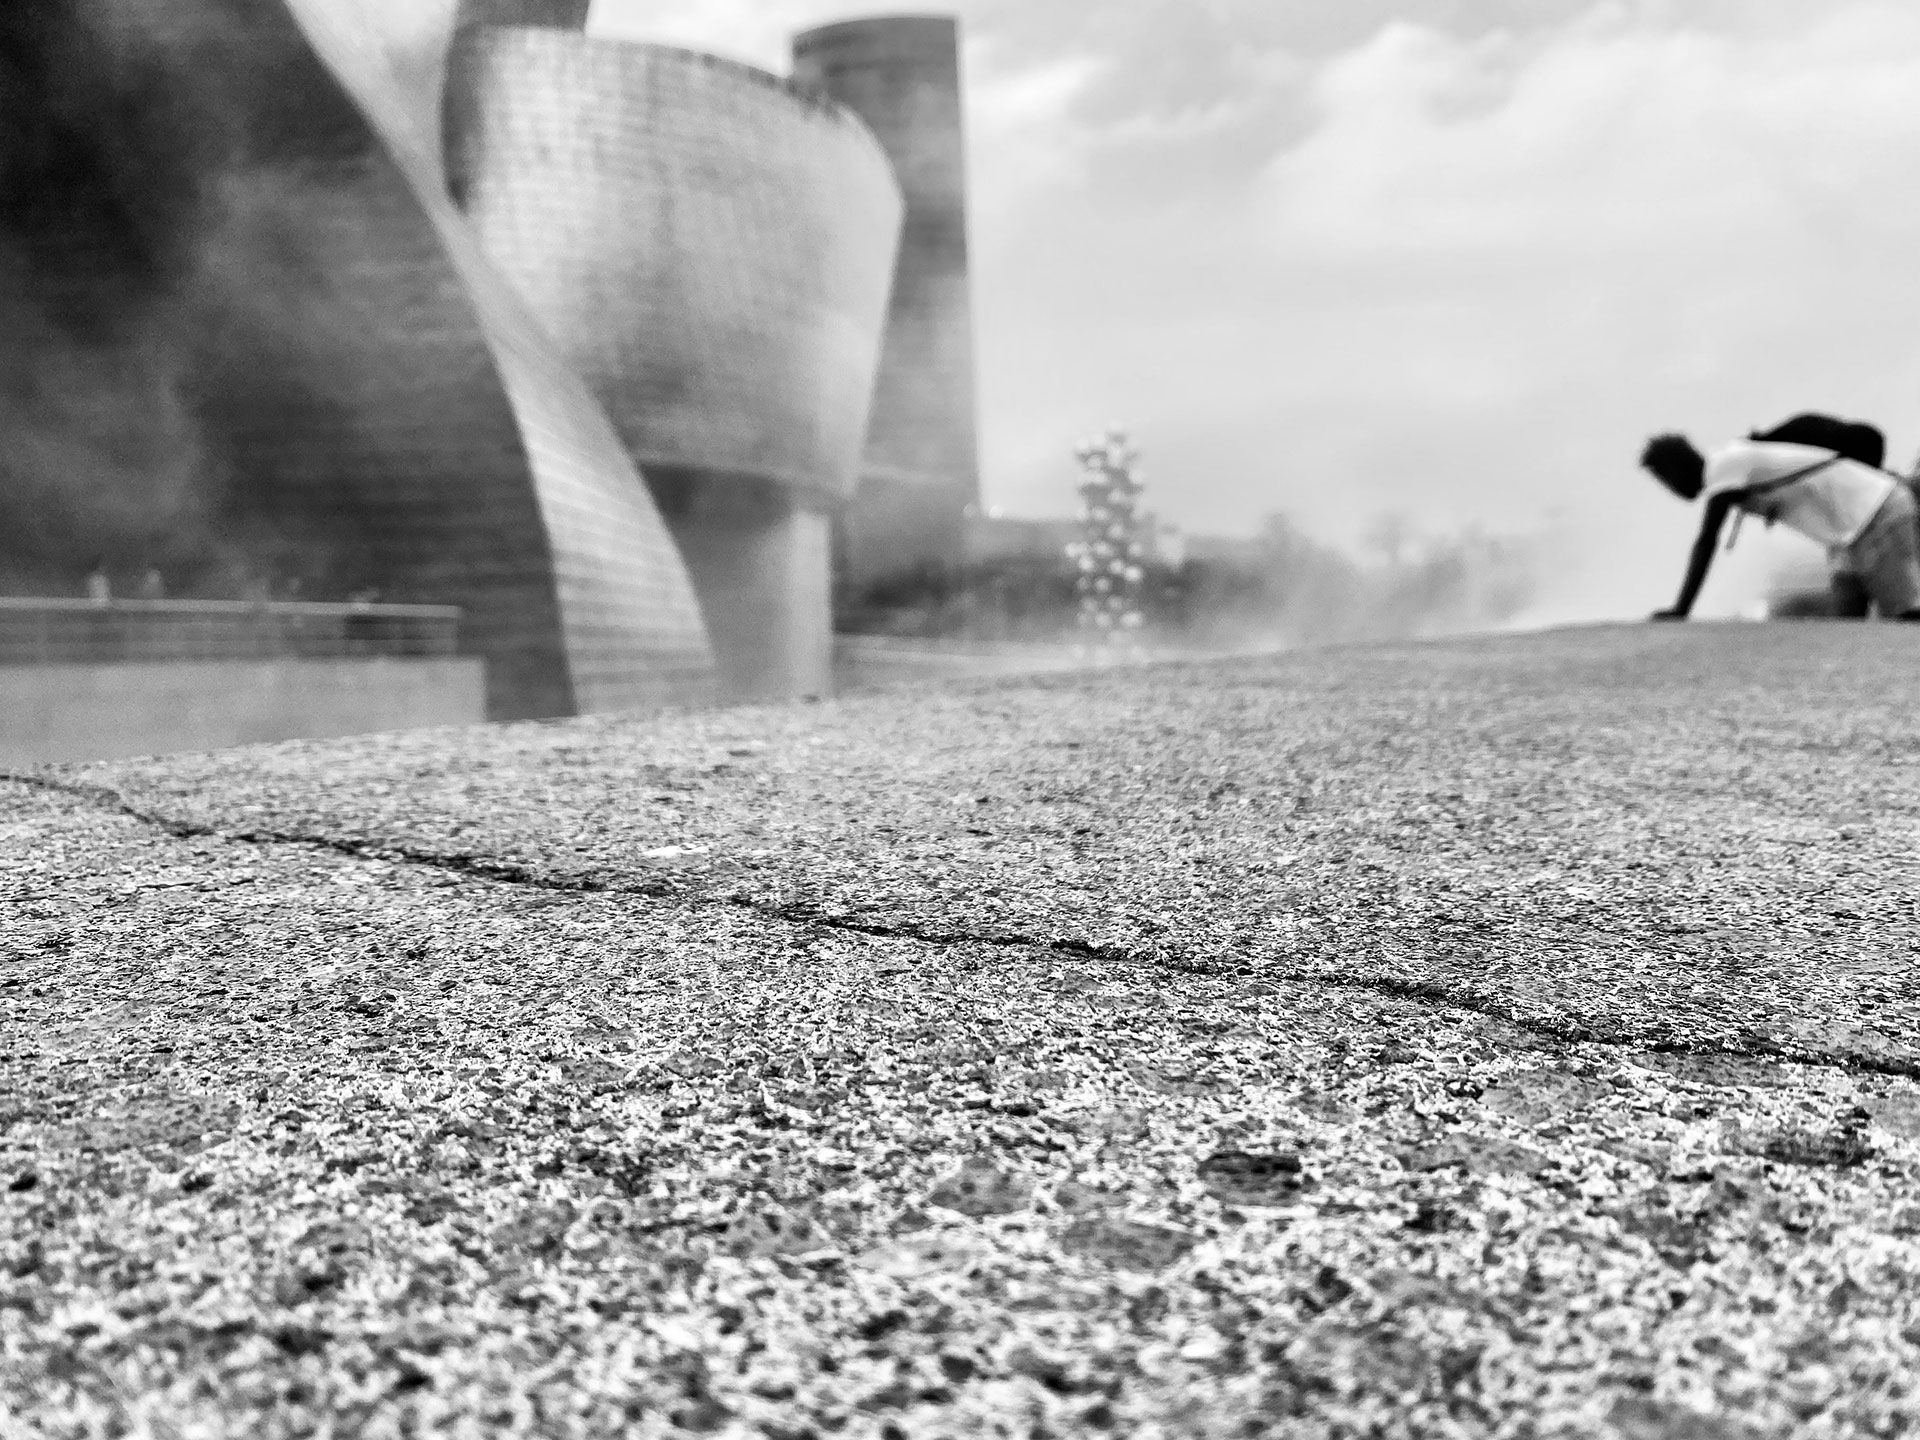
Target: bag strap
(1767, 487)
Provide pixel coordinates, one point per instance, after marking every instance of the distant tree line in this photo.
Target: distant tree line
(1282, 586)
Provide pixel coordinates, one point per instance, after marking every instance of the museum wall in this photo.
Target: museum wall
(901, 74)
(240, 347)
(711, 247)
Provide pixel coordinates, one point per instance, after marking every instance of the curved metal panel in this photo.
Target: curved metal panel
(551, 14)
(626, 624)
(264, 353)
(711, 246)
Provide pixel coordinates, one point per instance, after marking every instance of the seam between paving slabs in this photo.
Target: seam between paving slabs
(1425, 992)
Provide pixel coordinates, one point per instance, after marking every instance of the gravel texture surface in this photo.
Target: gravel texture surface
(1496, 1037)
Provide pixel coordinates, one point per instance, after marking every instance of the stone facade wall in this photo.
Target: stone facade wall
(55, 714)
(901, 74)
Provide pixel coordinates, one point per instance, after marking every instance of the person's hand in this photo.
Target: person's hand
(1668, 615)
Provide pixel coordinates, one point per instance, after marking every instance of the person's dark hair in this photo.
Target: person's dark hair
(1675, 464)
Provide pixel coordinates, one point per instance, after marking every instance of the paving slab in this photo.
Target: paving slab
(1504, 1036)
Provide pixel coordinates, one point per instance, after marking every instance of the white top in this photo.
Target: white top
(1830, 507)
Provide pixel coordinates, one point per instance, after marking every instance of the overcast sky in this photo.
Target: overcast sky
(1452, 258)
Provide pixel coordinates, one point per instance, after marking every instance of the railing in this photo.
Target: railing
(36, 631)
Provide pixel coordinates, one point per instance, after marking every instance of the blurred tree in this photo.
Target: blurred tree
(1392, 534)
(1110, 555)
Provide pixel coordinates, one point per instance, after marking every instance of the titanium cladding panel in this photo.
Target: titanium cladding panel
(901, 74)
(711, 245)
(630, 631)
(550, 14)
(352, 399)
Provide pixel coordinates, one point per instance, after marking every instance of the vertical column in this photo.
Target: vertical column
(901, 74)
(757, 552)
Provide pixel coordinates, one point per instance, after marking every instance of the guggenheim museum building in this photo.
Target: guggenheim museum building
(623, 349)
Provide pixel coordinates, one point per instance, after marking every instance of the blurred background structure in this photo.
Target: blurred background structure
(257, 352)
(1111, 553)
(650, 372)
(711, 249)
(920, 477)
(594, 343)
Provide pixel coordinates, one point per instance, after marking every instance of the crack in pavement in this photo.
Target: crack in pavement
(1432, 993)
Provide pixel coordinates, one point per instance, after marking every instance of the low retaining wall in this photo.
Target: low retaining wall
(55, 713)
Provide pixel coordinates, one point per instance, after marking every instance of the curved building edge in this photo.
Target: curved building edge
(920, 476)
(711, 246)
(550, 14)
(631, 632)
(896, 34)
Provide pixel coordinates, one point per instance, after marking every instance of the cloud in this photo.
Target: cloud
(1444, 258)
(1537, 247)
(1023, 118)
(1610, 136)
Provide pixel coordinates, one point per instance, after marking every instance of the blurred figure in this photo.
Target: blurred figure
(1856, 440)
(99, 587)
(1865, 519)
(153, 585)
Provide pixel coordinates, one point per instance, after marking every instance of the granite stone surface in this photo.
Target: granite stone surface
(1502, 1036)
(921, 469)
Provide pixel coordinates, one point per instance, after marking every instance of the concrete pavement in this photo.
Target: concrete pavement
(1497, 1036)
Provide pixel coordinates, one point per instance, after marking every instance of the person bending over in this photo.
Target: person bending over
(1864, 518)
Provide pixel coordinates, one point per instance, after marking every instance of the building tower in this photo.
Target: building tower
(920, 474)
(539, 14)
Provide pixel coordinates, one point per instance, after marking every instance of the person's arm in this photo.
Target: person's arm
(1701, 560)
